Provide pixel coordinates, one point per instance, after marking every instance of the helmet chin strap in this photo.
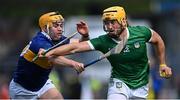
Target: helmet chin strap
(47, 29)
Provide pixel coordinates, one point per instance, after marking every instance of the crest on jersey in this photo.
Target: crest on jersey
(118, 85)
(136, 45)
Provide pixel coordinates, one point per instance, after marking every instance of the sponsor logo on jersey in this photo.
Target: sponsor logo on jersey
(126, 49)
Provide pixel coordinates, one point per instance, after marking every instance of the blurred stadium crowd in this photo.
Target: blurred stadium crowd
(19, 25)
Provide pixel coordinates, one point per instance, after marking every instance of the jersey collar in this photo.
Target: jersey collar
(47, 36)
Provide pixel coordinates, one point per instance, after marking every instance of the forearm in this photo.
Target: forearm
(160, 48)
(69, 49)
(164, 70)
(62, 50)
(61, 61)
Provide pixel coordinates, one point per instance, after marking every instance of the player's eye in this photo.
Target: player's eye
(107, 22)
(57, 25)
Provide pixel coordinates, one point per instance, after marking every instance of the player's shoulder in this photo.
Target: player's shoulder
(140, 31)
(40, 41)
(138, 28)
(40, 38)
(104, 38)
(99, 39)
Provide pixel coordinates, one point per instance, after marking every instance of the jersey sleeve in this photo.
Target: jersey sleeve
(39, 43)
(102, 43)
(96, 43)
(146, 33)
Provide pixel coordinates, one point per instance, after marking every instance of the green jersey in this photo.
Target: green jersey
(131, 65)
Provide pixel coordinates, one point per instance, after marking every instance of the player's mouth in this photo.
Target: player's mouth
(112, 32)
(60, 34)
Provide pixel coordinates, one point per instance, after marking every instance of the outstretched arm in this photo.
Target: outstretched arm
(62, 61)
(165, 71)
(55, 55)
(66, 49)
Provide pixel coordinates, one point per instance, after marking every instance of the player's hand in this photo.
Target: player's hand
(79, 67)
(41, 53)
(165, 71)
(82, 28)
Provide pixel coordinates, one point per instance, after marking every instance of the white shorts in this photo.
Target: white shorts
(117, 86)
(16, 91)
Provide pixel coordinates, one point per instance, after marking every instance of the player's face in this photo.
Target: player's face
(56, 30)
(113, 28)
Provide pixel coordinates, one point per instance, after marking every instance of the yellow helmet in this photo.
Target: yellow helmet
(114, 13)
(49, 18)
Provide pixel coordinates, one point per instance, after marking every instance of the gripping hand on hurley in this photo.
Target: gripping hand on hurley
(165, 71)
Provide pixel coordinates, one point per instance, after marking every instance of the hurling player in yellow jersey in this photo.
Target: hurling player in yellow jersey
(130, 68)
(31, 78)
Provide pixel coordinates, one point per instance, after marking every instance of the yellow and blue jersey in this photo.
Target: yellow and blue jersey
(33, 75)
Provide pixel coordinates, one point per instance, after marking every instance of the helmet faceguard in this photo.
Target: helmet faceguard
(46, 21)
(114, 13)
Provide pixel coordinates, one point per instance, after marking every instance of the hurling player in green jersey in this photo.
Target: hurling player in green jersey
(130, 68)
